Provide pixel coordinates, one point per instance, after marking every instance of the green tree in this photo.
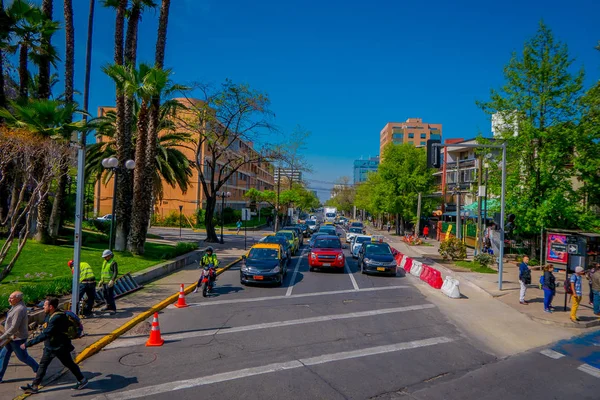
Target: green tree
(540, 105)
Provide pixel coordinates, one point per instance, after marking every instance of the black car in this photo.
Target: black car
(298, 232)
(376, 258)
(305, 230)
(287, 249)
(263, 264)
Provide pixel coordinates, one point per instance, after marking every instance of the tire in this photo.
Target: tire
(205, 290)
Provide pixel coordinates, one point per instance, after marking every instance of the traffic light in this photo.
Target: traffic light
(433, 154)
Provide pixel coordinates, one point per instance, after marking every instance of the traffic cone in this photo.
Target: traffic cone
(155, 339)
(181, 300)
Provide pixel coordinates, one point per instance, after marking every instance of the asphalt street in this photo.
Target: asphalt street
(323, 335)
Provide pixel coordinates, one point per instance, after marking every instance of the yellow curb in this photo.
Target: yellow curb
(103, 342)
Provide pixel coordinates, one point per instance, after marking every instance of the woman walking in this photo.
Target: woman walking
(549, 287)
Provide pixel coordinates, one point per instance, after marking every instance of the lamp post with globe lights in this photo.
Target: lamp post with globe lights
(223, 195)
(112, 164)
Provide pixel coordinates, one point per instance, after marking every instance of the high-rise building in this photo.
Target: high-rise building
(414, 131)
(363, 167)
(287, 174)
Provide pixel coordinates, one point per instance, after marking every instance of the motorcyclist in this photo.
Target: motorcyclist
(209, 258)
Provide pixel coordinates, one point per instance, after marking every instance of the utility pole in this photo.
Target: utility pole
(277, 199)
(417, 228)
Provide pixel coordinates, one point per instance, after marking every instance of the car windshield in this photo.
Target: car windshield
(328, 244)
(287, 235)
(310, 223)
(262, 254)
(363, 239)
(328, 231)
(377, 248)
(330, 215)
(359, 224)
(355, 230)
(275, 239)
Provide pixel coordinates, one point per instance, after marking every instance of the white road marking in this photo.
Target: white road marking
(294, 296)
(351, 275)
(291, 287)
(552, 354)
(269, 368)
(125, 342)
(588, 369)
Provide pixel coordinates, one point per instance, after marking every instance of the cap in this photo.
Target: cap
(578, 270)
(70, 263)
(107, 253)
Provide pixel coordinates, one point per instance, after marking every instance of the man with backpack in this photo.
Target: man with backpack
(577, 292)
(57, 344)
(524, 279)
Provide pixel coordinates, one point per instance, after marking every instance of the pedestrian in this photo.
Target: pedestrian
(389, 226)
(56, 345)
(524, 279)
(595, 282)
(549, 287)
(87, 286)
(16, 334)
(577, 292)
(239, 226)
(108, 275)
(426, 231)
(588, 275)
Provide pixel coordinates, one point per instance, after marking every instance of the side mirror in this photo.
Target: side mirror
(339, 234)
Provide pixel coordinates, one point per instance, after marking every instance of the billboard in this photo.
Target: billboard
(556, 249)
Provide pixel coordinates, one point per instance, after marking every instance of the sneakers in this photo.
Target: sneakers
(524, 303)
(81, 385)
(548, 310)
(195, 290)
(29, 389)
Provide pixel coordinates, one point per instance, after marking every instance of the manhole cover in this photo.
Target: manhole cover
(137, 359)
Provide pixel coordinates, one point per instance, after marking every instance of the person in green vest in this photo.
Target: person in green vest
(108, 276)
(87, 285)
(207, 259)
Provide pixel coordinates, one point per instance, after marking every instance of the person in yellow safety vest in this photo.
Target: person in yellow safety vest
(208, 258)
(108, 276)
(87, 285)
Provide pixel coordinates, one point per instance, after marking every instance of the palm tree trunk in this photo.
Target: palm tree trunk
(2, 92)
(43, 91)
(123, 144)
(59, 199)
(43, 216)
(23, 72)
(161, 39)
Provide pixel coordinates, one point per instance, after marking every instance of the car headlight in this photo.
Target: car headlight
(367, 260)
(340, 256)
(245, 268)
(313, 256)
(392, 264)
(276, 269)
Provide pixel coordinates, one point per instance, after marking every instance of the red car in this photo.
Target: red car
(327, 252)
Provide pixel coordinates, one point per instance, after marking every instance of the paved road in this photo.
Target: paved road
(322, 336)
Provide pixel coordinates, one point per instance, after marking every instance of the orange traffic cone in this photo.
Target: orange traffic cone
(181, 301)
(155, 339)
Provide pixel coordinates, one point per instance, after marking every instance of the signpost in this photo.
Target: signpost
(246, 215)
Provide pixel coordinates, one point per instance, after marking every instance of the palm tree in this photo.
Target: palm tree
(144, 83)
(43, 90)
(171, 165)
(4, 35)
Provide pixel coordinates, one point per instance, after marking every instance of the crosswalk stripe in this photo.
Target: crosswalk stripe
(270, 368)
(588, 369)
(552, 354)
(125, 342)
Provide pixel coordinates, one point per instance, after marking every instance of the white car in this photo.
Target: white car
(105, 218)
(357, 243)
(352, 232)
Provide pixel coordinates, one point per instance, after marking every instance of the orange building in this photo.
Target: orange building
(414, 131)
(255, 175)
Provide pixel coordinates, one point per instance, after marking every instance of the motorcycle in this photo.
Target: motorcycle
(208, 279)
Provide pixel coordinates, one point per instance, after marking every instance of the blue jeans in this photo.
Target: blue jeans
(548, 296)
(22, 355)
(596, 302)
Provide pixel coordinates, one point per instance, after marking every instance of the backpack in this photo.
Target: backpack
(541, 281)
(75, 328)
(568, 289)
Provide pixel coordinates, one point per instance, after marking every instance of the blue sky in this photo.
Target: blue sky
(342, 69)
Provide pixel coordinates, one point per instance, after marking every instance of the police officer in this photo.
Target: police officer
(108, 276)
(208, 258)
(87, 285)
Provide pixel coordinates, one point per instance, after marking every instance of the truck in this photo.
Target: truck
(330, 214)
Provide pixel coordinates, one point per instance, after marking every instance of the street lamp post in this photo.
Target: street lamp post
(223, 195)
(180, 210)
(113, 164)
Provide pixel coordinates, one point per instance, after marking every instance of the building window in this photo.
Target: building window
(423, 143)
(398, 136)
(423, 136)
(411, 135)
(398, 141)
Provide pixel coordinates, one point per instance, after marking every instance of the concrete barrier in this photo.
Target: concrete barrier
(451, 288)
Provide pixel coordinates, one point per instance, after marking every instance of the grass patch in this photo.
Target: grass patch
(475, 267)
(42, 269)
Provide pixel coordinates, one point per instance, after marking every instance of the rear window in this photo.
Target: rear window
(356, 230)
(359, 224)
(275, 239)
(330, 215)
(311, 223)
(363, 239)
(263, 254)
(287, 235)
(328, 244)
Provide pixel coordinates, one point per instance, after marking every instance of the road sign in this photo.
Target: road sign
(246, 214)
(573, 248)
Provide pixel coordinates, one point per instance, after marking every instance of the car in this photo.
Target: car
(356, 244)
(328, 229)
(305, 230)
(287, 249)
(264, 263)
(298, 231)
(314, 237)
(292, 238)
(376, 257)
(327, 252)
(313, 226)
(352, 232)
(105, 218)
(358, 225)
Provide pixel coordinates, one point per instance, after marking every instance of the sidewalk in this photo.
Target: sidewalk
(509, 294)
(128, 307)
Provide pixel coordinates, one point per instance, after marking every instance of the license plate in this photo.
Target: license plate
(258, 277)
(380, 269)
(326, 264)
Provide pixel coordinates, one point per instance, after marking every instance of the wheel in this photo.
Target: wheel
(205, 290)
(280, 280)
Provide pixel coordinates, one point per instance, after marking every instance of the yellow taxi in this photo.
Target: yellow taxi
(292, 238)
(264, 263)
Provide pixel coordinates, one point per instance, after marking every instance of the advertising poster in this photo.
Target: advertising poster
(556, 249)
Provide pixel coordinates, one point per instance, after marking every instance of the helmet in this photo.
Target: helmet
(70, 263)
(107, 253)
(209, 249)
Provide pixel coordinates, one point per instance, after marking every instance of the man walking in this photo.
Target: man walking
(87, 285)
(56, 345)
(524, 279)
(577, 292)
(15, 329)
(108, 275)
(595, 280)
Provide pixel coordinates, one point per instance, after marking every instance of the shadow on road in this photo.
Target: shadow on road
(111, 383)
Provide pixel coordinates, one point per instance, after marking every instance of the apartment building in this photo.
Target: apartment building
(259, 175)
(413, 131)
(362, 168)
